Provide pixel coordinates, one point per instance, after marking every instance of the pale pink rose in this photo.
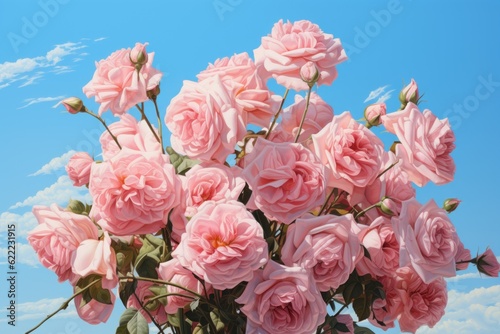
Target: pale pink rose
(134, 192)
(57, 236)
(327, 246)
(380, 241)
(204, 122)
(78, 168)
(223, 244)
(350, 151)
(319, 114)
(463, 256)
(172, 271)
(373, 113)
(487, 263)
(117, 85)
(212, 182)
(426, 144)
(142, 294)
(423, 304)
(286, 179)
(281, 300)
(249, 90)
(292, 45)
(96, 257)
(393, 185)
(409, 93)
(386, 311)
(130, 134)
(94, 312)
(428, 240)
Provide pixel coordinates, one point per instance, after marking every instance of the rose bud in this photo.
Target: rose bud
(309, 73)
(73, 105)
(138, 55)
(409, 94)
(373, 113)
(451, 204)
(487, 263)
(388, 207)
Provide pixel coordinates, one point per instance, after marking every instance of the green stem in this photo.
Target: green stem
(326, 202)
(367, 209)
(148, 313)
(64, 305)
(304, 115)
(277, 114)
(147, 279)
(160, 127)
(103, 123)
(145, 118)
(385, 170)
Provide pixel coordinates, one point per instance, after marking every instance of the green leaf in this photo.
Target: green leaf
(149, 256)
(181, 163)
(138, 324)
(362, 308)
(215, 316)
(126, 289)
(127, 315)
(194, 304)
(341, 327)
(103, 296)
(199, 329)
(366, 252)
(122, 330)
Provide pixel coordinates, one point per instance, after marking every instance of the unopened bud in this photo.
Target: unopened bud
(388, 207)
(73, 105)
(487, 263)
(76, 206)
(153, 93)
(138, 55)
(451, 204)
(409, 94)
(309, 73)
(373, 113)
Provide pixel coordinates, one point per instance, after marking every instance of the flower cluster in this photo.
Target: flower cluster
(262, 216)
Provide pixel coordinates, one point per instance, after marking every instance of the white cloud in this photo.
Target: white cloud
(22, 68)
(32, 101)
(463, 276)
(56, 163)
(100, 39)
(386, 96)
(376, 93)
(24, 223)
(60, 192)
(41, 308)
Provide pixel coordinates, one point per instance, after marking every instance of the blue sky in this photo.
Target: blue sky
(48, 49)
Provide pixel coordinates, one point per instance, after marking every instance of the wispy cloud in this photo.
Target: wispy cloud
(36, 100)
(39, 309)
(386, 96)
(24, 222)
(60, 192)
(28, 69)
(463, 277)
(376, 93)
(55, 164)
(100, 39)
(25, 254)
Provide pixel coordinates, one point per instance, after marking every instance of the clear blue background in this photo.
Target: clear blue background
(451, 48)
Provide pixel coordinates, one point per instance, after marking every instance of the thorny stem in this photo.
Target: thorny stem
(304, 115)
(64, 305)
(359, 214)
(103, 123)
(145, 118)
(160, 127)
(143, 306)
(385, 170)
(277, 114)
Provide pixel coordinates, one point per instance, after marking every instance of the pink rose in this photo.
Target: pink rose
(292, 45)
(487, 263)
(223, 243)
(134, 192)
(94, 312)
(141, 297)
(373, 113)
(350, 151)
(380, 241)
(393, 185)
(326, 245)
(57, 236)
(386, 311)
(426, 144)
(204, 122)
(239, 74)
(282, 299)
(172, 271)
(78, 168)
(344, 319)
(319, 114)
(423, 304)
(428, 240)
(130, 134)
(98, 258)
(118, 86)
(286, 179)
(212, 182)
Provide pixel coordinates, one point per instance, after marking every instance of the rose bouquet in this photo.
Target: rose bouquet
(261, 217)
